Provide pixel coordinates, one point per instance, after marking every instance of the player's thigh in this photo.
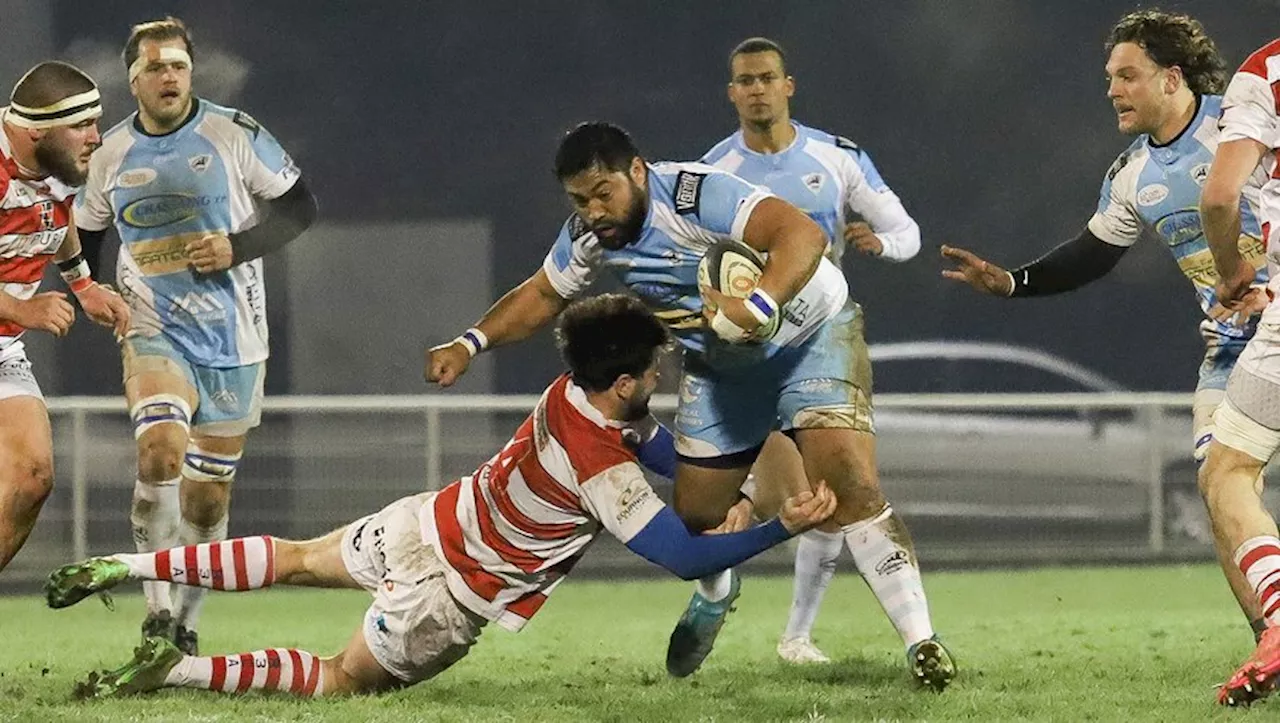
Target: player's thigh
(704, 494)
(160, 392)
(778, 473)
(355, 670)
(26, 442)
(317, 562)
(1220, 357)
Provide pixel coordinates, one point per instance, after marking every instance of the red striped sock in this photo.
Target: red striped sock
(294, 671)
(1259, 560)
(245, 563)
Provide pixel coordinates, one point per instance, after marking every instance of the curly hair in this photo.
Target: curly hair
(1171, 39)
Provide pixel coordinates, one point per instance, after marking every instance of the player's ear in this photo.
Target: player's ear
(637, 171)
(1173, 79)
(791, 86)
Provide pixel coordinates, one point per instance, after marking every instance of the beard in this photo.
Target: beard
(627, 231)
(636, 409)
(59, 162)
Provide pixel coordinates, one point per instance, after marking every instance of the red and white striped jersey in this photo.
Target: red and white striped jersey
(1251, 110)
(509, 533)
(34, 214)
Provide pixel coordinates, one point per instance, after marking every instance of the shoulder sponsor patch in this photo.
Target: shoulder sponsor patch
(246, 121)
(688, 191)
(577, 227)
(1152, 194)
(845, 143)
(1115, 167)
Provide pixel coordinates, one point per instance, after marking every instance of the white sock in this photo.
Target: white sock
(890, 570)
(715, 587)
(154, 516)
(816, 556)
(191, 599)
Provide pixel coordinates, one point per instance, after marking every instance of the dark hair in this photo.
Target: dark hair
(594, 143)
(758, 45)
(1171, 39)
(170, 28)
(603, 337)
(50, 82)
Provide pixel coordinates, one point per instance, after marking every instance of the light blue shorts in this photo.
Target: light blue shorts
(730, 403)
(229, 400)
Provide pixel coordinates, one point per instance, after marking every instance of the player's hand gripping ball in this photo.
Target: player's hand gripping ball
(733, 269)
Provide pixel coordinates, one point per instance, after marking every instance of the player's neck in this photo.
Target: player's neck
(774, 138)
(1185, 106)
(23, 153)
(154, 127)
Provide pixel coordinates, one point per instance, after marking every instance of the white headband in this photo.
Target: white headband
(67, 112)
(166, 54)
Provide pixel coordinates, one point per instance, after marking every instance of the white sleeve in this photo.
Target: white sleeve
(868, 196)
(570, 265)
(621, 499)
(1116, 220)
(268, 170)
(1249, 111)
(92, 208)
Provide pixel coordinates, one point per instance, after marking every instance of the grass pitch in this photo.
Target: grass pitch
(1118, 644)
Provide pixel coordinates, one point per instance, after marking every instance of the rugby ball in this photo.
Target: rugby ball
(733, 268)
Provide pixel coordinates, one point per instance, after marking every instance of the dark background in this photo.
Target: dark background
(989, 119)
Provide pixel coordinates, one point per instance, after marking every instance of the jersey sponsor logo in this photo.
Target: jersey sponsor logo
(167, 208)
(814, 181)
(845, 143)
(1115, 167)
(200, 163)
(29, 245)
(1179, 227)
(46, 215)
(198, 307)
(246, 121)
(796, 312)
(1200, 173)
(688, 191)
(226, 400)
(135, 177)
(577, 227)
(168, 255)
(1152, 194)
(892, 563)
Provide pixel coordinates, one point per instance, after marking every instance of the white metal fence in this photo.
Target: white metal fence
(980, 478)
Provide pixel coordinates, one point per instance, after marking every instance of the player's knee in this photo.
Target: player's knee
(207, 492)
(30, 480)
(160, 424)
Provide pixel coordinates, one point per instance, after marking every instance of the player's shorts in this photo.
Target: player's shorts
(16, 379)
(726, 411)
(1220, 356)
(1248, 420)
(414, 628)
(229, 400)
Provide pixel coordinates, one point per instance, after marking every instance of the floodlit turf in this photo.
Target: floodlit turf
(1115, 644)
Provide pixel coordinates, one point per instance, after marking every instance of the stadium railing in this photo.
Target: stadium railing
(982, 479)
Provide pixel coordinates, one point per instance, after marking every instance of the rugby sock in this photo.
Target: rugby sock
(1259, 560)
(245, 563)
(189, 600)
(715, 587)
(880, 550)
(816, 556)
(294, 671)
(154, 517)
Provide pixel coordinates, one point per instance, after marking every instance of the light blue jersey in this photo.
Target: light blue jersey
(831, 179)
(691, 207)
(162, 192)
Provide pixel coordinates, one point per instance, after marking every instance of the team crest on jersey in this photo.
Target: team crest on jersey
(688, 191)
(1200, 173)
(814, 181)
(1152, 194)
(200, 163)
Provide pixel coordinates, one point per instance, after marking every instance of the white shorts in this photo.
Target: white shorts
(16, 379)
(414, 628)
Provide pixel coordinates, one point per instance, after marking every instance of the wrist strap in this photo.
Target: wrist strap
(473, 340)
(762, 306)
(75, 272)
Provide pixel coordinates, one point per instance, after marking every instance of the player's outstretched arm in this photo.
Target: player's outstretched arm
(1070, 265)
(1233, 164)
(666, 541)
(515, 317)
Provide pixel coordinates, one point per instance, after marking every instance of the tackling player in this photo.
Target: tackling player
(47, 134)
(488, 548)
(831, 179)
(1165, 80)
(1247, 423)
(650, 224)
(198, 193)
